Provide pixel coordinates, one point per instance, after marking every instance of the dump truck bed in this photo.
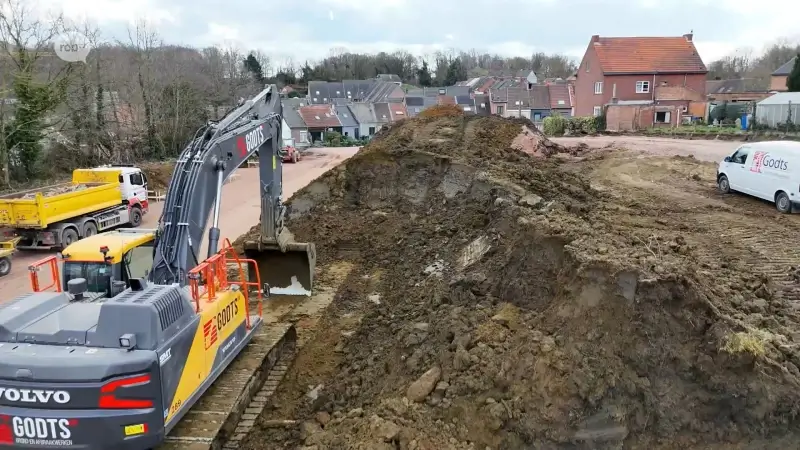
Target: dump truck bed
(38, 208)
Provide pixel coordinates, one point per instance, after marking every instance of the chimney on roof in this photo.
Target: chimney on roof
(689, 36)
(596, 38)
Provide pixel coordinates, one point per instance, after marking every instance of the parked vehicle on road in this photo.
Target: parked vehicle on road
(767, 170)
(290, 152)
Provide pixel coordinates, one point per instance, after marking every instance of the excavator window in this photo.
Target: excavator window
(137, 262)
(97, 274)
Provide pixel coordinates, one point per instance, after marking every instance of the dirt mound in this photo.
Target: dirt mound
(158, 174)
(442, 111)
(504, 302)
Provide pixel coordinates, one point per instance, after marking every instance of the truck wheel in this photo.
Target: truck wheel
(68, 236)
(5, 266)
(783, 203)
(89, 229)
(136, 216)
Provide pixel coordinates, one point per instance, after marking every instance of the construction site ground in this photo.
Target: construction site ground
(480, 287)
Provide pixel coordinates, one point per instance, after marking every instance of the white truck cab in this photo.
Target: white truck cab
(132, 180)
(767, 170)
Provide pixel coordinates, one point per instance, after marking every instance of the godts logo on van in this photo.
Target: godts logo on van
(763, 159)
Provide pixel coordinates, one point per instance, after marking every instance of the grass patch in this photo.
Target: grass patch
(751, 341)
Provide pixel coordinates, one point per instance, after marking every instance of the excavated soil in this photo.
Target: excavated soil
(509, 293)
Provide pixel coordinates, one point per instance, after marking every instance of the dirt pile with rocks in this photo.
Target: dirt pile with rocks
(501, 300)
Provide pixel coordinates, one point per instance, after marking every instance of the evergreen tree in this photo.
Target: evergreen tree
(793, 80)
(424, 75)
(252, 65)
(455, 72)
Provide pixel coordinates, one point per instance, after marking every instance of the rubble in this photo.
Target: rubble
(510, 293)
(52, 191)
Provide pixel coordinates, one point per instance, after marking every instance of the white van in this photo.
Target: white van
(768, 170)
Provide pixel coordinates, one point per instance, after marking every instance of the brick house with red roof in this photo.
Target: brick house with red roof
(320, 119)
(629, 69)
(560, 99)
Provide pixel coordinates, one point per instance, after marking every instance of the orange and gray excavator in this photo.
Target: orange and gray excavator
(119, 369)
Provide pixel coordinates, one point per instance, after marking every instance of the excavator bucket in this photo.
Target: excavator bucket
(285, 265)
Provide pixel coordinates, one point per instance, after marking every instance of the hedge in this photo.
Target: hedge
(560, 125)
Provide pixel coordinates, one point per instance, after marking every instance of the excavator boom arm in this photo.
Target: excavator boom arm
(216, 151)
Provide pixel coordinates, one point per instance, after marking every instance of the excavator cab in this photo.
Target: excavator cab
(107, 261)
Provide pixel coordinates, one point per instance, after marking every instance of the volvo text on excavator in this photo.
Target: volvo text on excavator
(118, 369)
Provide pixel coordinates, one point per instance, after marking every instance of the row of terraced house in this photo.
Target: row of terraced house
(635, 82)
(358, 109)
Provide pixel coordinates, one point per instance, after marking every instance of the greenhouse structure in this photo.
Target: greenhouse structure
(779, 109)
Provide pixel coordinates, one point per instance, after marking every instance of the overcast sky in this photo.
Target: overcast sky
(308, 29)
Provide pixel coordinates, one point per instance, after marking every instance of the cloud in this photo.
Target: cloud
(309, 30)
(105, 12)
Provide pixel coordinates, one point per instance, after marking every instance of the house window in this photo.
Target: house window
(561, 102)
(598, 87)
(346, 134)
(662, 117)
(500, 110)
(642, 87)
(304, 136)
(371, 131)
(587, 69)
(317, 92)
(598, 110)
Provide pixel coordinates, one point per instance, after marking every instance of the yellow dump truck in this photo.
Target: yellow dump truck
(96, 200)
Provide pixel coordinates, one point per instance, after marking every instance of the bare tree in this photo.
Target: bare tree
(144, 42)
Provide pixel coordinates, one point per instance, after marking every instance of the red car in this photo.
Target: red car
(291, 154)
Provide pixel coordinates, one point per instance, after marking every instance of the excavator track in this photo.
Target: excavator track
(231, 402)
(227, 412)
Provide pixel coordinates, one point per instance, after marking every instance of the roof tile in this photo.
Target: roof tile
(319, 116)
(382, 112)
(736, 86)
(648, 55)
(446, 100)
(785, 69)
(559, 96)
(398, 111)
